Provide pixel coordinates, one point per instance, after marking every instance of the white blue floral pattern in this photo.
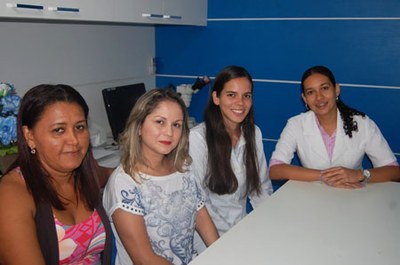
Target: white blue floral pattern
(168, 204)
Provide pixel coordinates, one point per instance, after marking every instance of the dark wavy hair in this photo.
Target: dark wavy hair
(33, 104)
(220, 177)
(346, 113)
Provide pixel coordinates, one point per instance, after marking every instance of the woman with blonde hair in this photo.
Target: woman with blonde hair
(152, 198)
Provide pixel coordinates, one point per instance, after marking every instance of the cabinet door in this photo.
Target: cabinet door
(185, 12)
(22, 9)
(139, 11)
(180, 12)
(86, 10)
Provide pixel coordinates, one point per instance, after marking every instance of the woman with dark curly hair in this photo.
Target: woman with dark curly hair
(331, 139)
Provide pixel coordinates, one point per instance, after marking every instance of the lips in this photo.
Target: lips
(166, 142)
(321, 105)
(73, 153)
(241, 111)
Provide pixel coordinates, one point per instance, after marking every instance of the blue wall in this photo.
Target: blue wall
(277, 40)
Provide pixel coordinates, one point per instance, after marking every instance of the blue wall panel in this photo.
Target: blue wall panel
(363, 53)
(302, 8)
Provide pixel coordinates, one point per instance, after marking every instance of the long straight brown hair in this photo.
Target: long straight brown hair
(220, 177)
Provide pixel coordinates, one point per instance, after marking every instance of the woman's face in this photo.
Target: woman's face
(60, 137)
(235, 101)
(161, 130)
(320, 94)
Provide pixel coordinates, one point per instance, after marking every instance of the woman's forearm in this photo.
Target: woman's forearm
(286, 171)
(385, 173)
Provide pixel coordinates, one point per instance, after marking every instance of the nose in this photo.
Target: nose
(72, 137)
(319, 94)
(168, 130)
(240, 100)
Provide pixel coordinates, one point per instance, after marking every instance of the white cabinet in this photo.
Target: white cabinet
(179, 12)
(186, 12)
(85, 10)
(141, 11)
(23, 9)
(89, 10)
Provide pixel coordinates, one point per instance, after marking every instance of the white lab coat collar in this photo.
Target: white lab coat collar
(313, 135)
(340, 147)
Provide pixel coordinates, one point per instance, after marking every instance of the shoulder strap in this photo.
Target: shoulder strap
(46, 233)
(106, 258)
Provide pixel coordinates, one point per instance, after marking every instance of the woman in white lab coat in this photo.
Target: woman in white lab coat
(331, 140)
(227, 151)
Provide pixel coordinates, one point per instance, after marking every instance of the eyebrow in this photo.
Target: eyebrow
(164, 118)
(308, 88)
(231, 91)
(64, 123)
(159, 116)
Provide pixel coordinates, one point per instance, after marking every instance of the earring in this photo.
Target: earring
(33, 151)
(305, 105)
(337, 98)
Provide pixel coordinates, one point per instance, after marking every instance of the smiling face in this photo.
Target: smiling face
(320, 94)
(60, 137)
(162, 129)
(235, 101)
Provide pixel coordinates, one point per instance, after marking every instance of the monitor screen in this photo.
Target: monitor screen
(119, 102)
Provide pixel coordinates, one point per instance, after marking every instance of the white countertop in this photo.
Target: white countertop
(310, 223)
(106, 156)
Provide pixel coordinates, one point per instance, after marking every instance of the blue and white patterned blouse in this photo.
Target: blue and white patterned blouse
(169, 205)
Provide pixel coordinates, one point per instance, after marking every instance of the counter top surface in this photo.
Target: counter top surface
(312, 223)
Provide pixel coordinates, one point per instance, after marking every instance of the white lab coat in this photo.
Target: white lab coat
(228, 209)
(303, 136)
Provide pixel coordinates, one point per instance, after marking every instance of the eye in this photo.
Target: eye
(230, 94)
(80, 127)
(325, 87)
(177, 125)
(309, 92)
(58, 130)
(248, 96)
(161, 122)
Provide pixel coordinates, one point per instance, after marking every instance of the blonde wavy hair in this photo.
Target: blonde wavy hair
(130, 141)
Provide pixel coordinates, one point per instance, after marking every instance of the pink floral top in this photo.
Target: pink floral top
(81, 243)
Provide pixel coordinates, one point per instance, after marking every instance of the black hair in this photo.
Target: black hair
(346, 113)
(32, 107)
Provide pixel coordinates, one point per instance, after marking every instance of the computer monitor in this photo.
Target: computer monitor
(119, 102)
